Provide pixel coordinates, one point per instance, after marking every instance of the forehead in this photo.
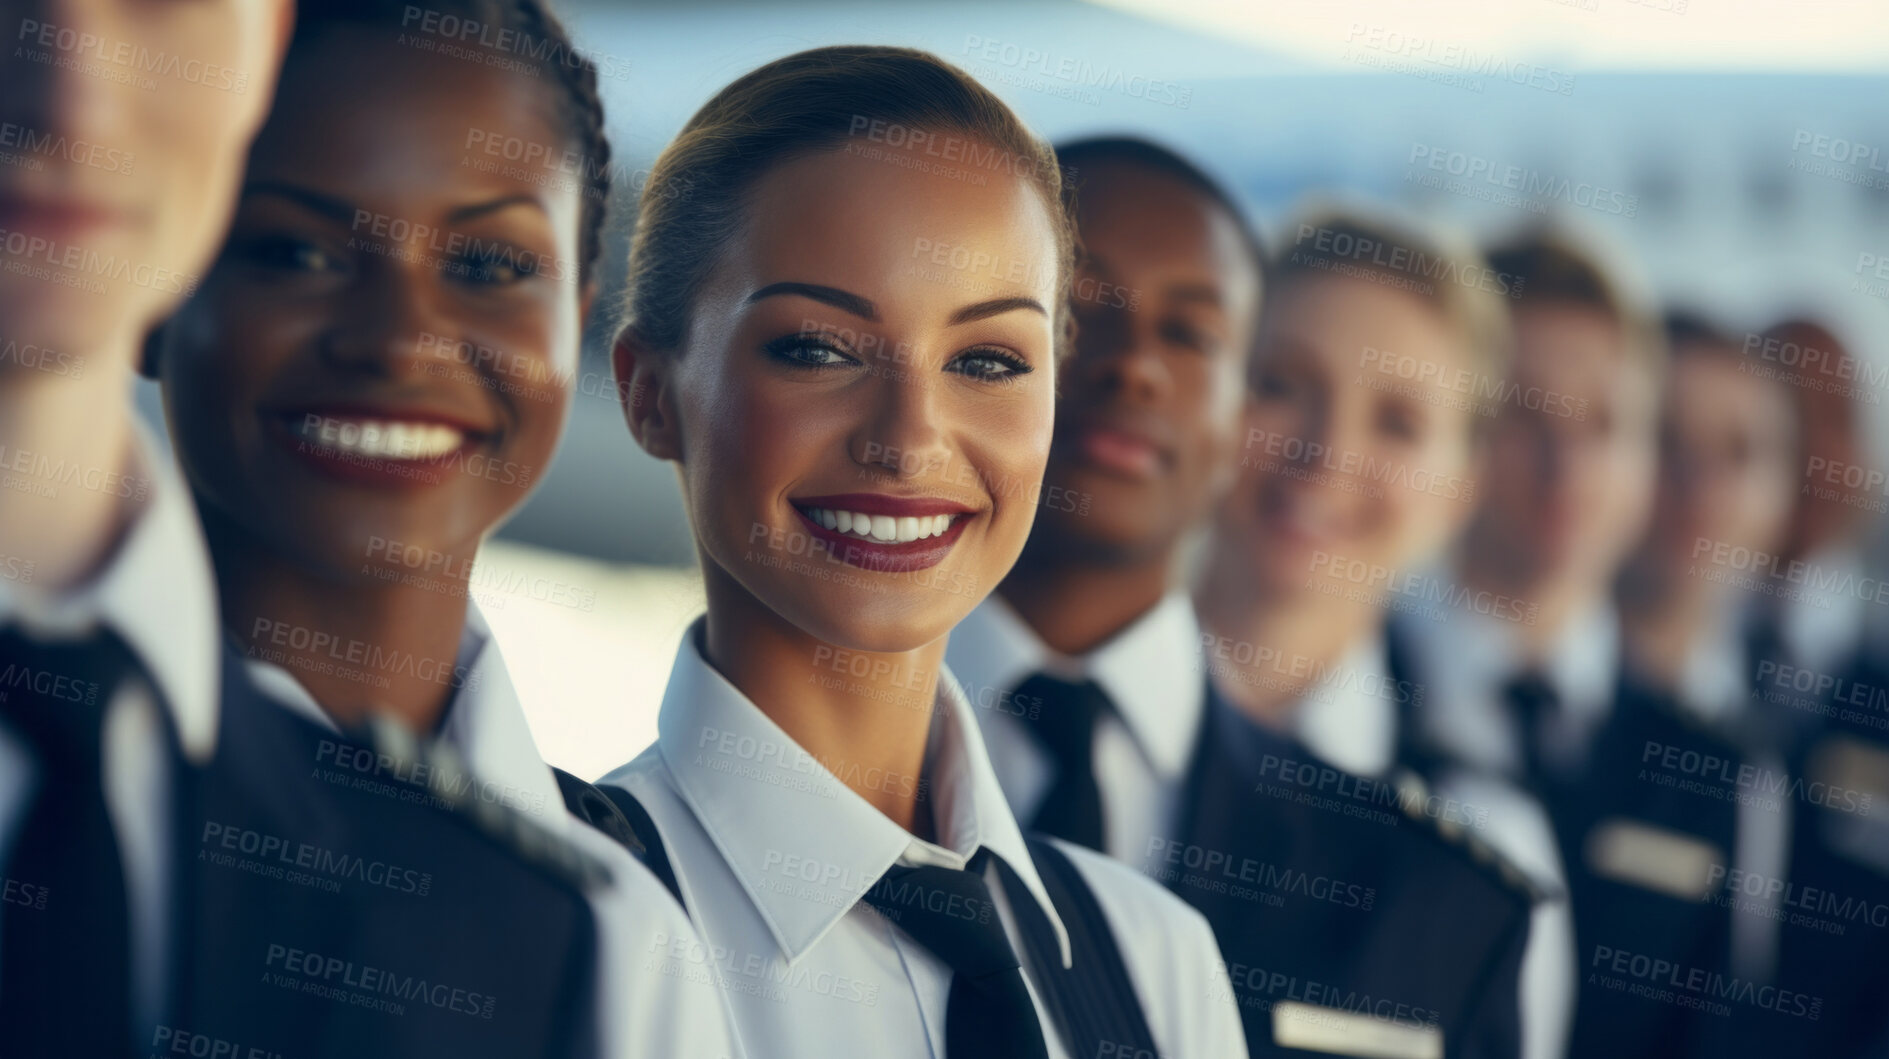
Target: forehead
(1575, 349)
(864, 223)
(358, 109)
(1132, 215)
(1343, 315)
(1711, 385)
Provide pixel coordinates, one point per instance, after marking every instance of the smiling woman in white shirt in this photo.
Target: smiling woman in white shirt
(848, 298)
(373, 377)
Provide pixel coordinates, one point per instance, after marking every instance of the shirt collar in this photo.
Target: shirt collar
(156, 591)
(484, 723)
(1346, 717)
(763, 799)
(1470, 656)
(993, 648)
(1712, 675)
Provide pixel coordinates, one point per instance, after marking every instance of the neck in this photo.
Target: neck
(1075, 607)
(1659, 632)
(1553, 604)
(1265, 647)
(82, 425)
(361, 646)
(870, 731)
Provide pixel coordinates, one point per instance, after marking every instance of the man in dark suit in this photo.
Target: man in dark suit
(1340, 936)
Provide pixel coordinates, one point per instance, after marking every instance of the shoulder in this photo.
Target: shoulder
(1441, 836)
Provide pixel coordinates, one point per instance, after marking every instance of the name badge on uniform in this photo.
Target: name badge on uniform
(1339, 1032)
(1654, 858)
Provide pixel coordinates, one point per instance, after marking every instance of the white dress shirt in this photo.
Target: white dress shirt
(773, 854)
(643, 1012)
(1341, 720)
(156, 592)
(1153, 675)
(1713, 687)
(1463, 663)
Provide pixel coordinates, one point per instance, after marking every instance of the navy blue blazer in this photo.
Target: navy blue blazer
(1648, 834)
(1836, 927)
(333, 901)
(1343, 899)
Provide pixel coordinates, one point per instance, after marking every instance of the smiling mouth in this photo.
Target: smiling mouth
(374, 448)
(881, 529)
(380, 439)
(883, 534)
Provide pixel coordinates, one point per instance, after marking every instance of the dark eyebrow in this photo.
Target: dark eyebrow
(326, 205)
(1196, 292)
(340, 211)
(466, 213)
(833, 296)
(995, 307)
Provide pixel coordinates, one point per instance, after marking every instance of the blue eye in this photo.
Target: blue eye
(991, 364)
(809, 351)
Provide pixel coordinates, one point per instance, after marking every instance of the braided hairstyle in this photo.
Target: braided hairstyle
(521, 35)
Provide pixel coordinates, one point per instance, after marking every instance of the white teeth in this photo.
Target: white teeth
(884, 529)
(380, 438)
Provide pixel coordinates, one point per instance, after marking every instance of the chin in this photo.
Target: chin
(877, 622)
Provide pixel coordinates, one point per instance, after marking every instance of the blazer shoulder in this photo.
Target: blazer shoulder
(1445, 837)
(512, 831)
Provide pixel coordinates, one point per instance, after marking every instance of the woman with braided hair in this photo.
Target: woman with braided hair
(374, 375)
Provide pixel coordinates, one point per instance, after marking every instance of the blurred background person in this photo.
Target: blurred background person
(1729, 470)
(1362, 448)
(1523, 670)
(1820, 688)
(114, 192)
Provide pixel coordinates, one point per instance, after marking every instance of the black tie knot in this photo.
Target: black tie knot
(1531, 698)
(989, 1014)
(1066, 715)
(950, 913)
(1065, 725)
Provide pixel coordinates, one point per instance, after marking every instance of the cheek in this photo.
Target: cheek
(1009, 448)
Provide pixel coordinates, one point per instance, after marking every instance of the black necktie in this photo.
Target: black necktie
(1530, 699)
(65, 966)
(1065, 725)
(988, 1014)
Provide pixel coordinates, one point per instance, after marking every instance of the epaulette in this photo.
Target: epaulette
(510, 829)
(1413, 794)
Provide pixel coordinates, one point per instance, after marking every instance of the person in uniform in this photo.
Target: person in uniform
(848, 296)
(374, 375)
(1363, 449)
(1545, 707)
(1103, 722)
(1820, 693)
(109, 681)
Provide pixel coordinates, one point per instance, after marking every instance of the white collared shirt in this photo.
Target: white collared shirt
(642, 1011)
(1346, 719)
(156, 592)
(773, 854)
(1152, 674)
(1464, 712)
